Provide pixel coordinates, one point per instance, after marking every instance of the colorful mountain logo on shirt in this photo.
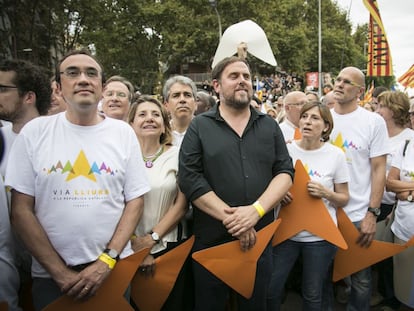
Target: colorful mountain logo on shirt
(339, 142)
(311, 173)
(81, 167)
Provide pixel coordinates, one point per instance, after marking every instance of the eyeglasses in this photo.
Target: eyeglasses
(346, 81)
(117, 94)
(73, 73)
(300, 104)
(5, 88)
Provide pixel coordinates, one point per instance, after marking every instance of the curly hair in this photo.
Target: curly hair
(30, 78)
(399, 103)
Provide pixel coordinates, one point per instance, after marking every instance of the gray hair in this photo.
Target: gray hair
(124, 81)
(178, 79)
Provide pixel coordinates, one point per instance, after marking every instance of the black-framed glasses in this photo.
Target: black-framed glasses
(346, 81)
(5, 88)
(74, 72)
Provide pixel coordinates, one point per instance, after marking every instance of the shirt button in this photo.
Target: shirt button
(247, 176)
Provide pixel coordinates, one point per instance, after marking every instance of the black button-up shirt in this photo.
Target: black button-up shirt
(213, 157)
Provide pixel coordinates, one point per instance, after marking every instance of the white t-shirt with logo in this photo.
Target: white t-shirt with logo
(325, 165)
(81, 177)
(362, 135)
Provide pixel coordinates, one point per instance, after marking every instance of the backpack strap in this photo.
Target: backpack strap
(405, 146)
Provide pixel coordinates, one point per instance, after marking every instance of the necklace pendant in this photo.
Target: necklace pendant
(149, 164)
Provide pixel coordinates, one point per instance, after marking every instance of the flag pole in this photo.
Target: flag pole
(319, 49)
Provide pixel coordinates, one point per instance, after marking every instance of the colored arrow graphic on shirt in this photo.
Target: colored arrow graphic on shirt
(111, 294)
(233, 266)
(81, 167)
(167, 268)
(306, 212)
(356, 258)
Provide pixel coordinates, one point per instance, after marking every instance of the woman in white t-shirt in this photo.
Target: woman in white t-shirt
(393, 106)
(326, 166)
(401, 181)
(164, 205)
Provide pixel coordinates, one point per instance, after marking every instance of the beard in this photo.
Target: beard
(238, 102)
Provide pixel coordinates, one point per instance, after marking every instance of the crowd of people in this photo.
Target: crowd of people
(95, 172)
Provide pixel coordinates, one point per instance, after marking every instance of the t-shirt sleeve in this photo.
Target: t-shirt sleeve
(20, 173)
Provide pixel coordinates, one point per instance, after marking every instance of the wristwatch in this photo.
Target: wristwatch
(410, 197)
(375, 210)
(112, 253)
(155, 236)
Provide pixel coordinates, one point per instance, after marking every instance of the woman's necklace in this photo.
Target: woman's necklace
(149, 160)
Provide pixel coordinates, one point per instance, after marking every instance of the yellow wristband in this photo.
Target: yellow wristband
(259, 208)
(108, 260)
(134, 236)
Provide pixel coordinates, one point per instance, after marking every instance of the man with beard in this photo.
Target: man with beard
(234, 168)
(179, 94)
(24, 95)
(363, 137)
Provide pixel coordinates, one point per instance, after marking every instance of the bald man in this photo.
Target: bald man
(363, 137)
(329, 100)
(293, 102)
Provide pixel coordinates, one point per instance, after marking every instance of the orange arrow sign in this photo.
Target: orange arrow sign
(167, 268)
(111, 294)
(297, 135)
(356, 258)
(306, 212)
(226, 261)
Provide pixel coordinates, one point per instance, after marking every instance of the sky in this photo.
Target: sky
(398, 19)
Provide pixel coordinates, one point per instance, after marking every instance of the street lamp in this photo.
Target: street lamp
(213, 4)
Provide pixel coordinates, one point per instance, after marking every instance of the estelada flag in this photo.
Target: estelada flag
(407, 79)
(379, 62)
(368, 95)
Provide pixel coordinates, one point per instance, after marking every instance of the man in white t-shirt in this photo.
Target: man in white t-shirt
(78, 196)
(179, 94)
(24, 95)
(293, 102)
(363, 137)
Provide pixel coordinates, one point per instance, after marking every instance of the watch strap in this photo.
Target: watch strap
(111, 253)
(375, 210)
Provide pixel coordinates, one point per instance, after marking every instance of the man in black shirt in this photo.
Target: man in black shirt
(234, 168)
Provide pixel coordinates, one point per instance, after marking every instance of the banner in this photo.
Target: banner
(379, 62)
(312, 79)
(407, 79)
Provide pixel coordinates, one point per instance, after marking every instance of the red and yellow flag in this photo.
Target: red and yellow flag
(379, 55)
(368, 95)
(407, 79)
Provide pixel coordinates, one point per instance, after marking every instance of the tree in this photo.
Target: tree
(148, 40)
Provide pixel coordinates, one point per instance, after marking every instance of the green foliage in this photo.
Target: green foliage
(147, 40)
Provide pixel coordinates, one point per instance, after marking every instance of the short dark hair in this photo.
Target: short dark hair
(378, 90)
(325, 114)
(77, 52)
(219, 68)
(30, 78)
